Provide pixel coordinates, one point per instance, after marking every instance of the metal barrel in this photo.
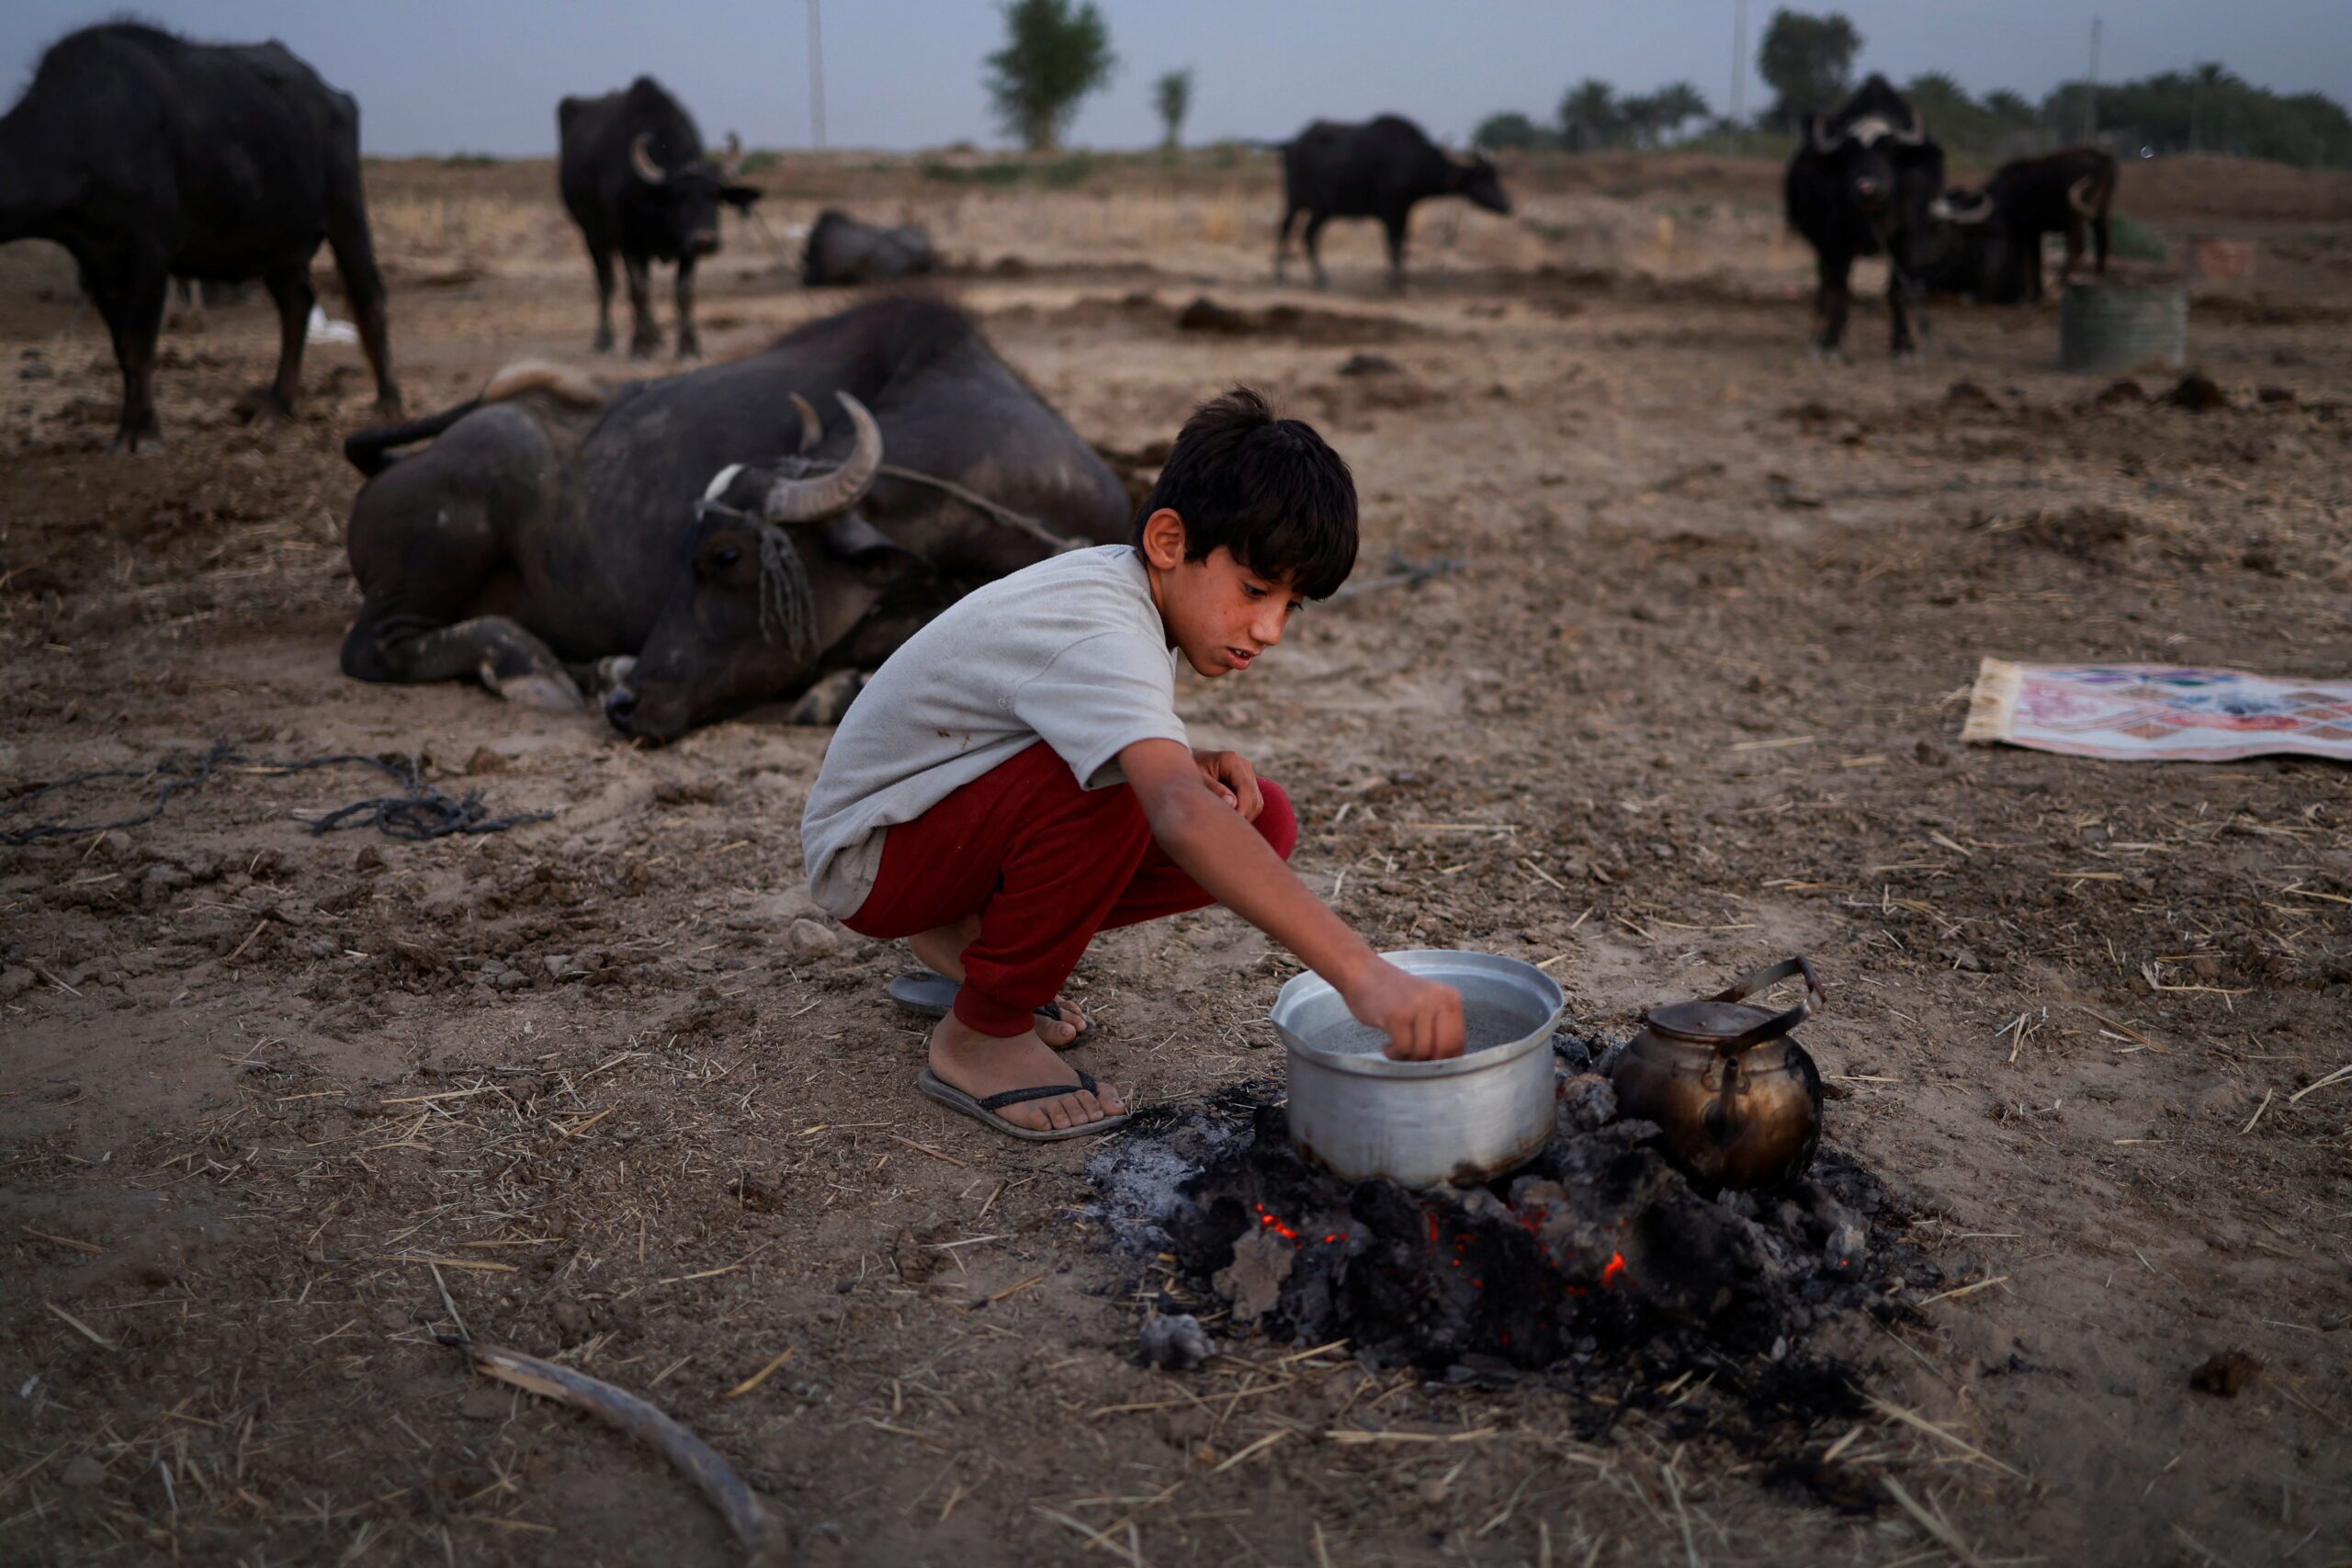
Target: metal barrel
(2104, 326)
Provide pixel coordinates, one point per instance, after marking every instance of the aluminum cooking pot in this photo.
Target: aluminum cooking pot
(1360, 1116)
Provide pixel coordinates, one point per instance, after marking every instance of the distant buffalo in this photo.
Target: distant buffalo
(1376, 170)
(149, 157)
(635, 179)
(843, 251)
(2063, 193)
(1861, 184)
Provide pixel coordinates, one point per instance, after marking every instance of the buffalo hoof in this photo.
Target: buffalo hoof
(135, 444)
(262, 405)
(549, 693)
(603, 342)
(829, 699)
(1906, 356)
(689, 349)
(1828, 354)
(611, 673)
(645, 346)
(389, 407)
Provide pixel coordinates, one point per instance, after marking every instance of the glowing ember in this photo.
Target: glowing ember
(1596, 1269)
(1599, 1243)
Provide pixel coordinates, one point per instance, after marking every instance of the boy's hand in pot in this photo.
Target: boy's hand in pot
(1422, 1018)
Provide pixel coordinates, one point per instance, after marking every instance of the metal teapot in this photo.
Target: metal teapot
(1739, 1101)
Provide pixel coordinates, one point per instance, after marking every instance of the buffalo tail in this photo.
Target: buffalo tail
(371, 450)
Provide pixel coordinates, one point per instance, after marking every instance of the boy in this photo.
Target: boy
(1016, 778)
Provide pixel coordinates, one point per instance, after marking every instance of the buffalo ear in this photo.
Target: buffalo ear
(880, 560)
(740, 196)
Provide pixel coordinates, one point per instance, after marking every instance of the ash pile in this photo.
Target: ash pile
(1596, 1262)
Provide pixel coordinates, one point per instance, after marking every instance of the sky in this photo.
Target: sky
(439, 76)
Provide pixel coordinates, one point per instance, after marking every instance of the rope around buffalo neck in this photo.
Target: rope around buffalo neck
(1019, 522)
(786, 604)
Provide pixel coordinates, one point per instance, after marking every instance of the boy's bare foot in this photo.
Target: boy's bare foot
(982, 1065)
(942, 949)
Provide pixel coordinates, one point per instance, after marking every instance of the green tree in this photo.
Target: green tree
(1808, 61)
(1509, 131)
(1589, 115)
(1054, 55)
(1637, 117)
(2014, 111)
(1172, 96)
(1652, 116)
(2205, 109)
(1681, 103)
(1956, 121)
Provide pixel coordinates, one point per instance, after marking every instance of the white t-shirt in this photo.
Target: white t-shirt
(1070, 651)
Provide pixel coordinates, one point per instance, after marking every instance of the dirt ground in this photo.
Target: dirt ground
(276, 1109)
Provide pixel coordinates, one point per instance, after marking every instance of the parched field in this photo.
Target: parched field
(276, 1110)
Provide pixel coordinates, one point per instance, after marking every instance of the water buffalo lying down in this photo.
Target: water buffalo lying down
(2059, 193)
(701, 543)
(843, 251)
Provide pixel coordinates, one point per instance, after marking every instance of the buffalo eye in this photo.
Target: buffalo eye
(717, 560)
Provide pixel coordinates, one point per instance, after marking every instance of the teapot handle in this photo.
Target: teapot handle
(1773, 1028)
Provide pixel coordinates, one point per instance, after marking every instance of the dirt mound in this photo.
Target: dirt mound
(2203, 188)
(1303, 323)
(2261, 311)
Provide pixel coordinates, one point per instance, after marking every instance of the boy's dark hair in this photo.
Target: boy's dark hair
(1269, 489)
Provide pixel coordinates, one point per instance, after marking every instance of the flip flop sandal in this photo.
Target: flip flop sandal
(984, 1111)
(933, 995)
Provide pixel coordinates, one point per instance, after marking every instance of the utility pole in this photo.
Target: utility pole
(2090, 95)
(815, 77)
(1738, 61)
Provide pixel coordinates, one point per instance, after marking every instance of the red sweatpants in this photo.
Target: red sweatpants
(1046, 864)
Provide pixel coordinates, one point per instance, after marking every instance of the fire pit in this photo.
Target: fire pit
(1595, 1262)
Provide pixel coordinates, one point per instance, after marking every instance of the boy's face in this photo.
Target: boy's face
(1219, 614)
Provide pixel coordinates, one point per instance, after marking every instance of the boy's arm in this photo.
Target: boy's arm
(1214, 844)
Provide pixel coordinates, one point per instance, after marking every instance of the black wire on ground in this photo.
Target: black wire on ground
(421, 812)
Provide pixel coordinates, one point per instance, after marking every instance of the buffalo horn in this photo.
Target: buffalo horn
(1814, 128)
(812, 428)
(807, 501)
(2078, 198)
(640, 158)
(1960, 206)
(1917, 134)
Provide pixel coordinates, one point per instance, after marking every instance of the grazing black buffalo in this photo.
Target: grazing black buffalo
(843, 251)
(550, 527)
(1861, 184)
(1376, 170)
(149, 157)
(2059, 193)
(635, 179)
